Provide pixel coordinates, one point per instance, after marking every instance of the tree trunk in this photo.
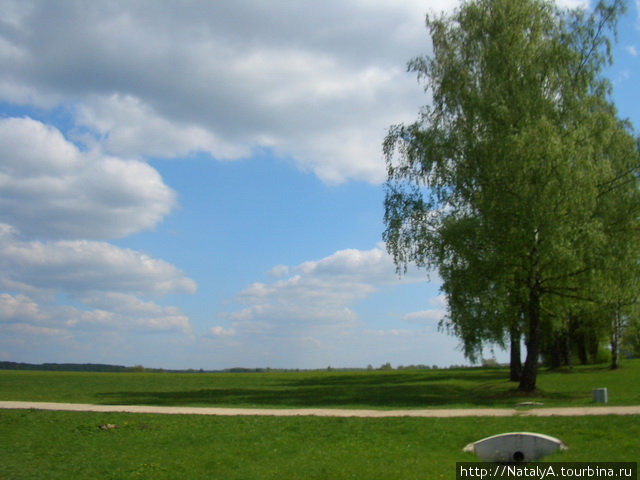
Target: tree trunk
(555, 353)
(567, 351)
(581, 343)
(594, 345)
(530, 370)
(515, 363)
(615, 339)
(560, 350)
(575, 343)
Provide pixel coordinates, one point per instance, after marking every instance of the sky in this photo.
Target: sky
(199, 184)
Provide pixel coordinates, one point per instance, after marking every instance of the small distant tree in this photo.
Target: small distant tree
(489, 362)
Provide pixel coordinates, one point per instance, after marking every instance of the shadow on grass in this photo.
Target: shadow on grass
(404, 390)
(396, 378)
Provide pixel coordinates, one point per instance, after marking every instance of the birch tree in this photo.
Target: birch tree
(505, 181)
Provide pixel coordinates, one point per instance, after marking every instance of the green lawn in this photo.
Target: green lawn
(70, 445)
(454, 388)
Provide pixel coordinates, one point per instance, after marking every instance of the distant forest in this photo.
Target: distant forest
(66, 367)
(98, 367)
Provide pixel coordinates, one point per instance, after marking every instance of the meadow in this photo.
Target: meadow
(450, 388)
(70, 445)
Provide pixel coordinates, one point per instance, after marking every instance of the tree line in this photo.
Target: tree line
(65, 367)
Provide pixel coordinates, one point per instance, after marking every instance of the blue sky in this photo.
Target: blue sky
(199, 184)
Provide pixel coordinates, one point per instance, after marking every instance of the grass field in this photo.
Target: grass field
(454, 388)
(70, 445)
(65, 445)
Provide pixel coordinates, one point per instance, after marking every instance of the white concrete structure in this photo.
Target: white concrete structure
(515, 447)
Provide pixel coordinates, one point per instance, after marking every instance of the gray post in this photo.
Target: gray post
(600, 395)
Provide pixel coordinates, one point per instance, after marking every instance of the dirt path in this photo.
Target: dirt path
(327, 412)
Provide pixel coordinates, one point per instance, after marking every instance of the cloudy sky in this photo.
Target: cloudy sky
(198, 184)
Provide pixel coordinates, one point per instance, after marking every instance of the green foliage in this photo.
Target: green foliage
(631, 339)
(518, 184)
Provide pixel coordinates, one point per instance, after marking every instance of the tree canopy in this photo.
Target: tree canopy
(518, 182)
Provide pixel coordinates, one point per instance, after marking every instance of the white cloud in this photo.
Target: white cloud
(373, 266)
(218, 331)
(632, 50)
(27, 330)
(279, 271)
(429, 317)
(318, 297)
(124, 125)
(124, 303)
(80, 266)
(21, 314)
(20, 308)
(169, 319)
(168, 323)
(439, 301)
(318, 83)
(318, 313)
(49, 188)
(102, 286)
(393, 333)
(573, 4)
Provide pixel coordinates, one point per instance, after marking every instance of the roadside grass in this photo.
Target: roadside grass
(70, 445)
(451, 388)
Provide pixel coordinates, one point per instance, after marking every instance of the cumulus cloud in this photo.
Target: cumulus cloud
(218, 331)
(318, 296)
(106, 282)
(318, 313)
(19, 313)
(22, 314)
(49, 188)
(56, 201)
(70, 198)
(430, 317)
(279, 271)
(392, 332)
(124, 125)
(30, 331)
(76, 266)
(373, 266)
(572, 4)
(166, 79)
(169, 78)
(20, 308)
